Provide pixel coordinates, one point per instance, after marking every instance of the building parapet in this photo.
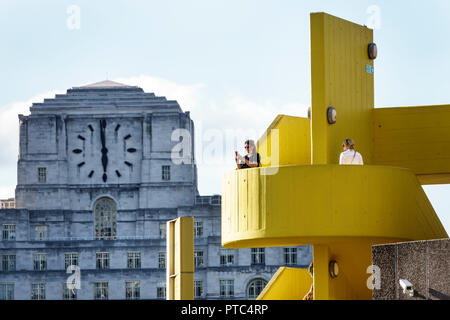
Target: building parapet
(7, 203)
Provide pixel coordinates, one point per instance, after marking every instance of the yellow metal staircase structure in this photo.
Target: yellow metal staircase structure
(301, 196)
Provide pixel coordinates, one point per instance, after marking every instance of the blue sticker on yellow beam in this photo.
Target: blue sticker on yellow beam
(370, 69)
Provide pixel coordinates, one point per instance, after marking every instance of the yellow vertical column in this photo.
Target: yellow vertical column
(319, 133)
(180, 259)
(341, 78)
(321, 256)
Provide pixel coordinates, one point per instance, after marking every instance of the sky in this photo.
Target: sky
(234, 65)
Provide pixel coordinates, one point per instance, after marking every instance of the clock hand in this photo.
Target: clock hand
(104, 149)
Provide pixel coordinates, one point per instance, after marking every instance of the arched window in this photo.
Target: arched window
(105, 219)
(255, 287)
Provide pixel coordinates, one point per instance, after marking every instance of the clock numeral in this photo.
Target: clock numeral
(91, 174)
(131, 150)
(81, 164)
(118, 173)
(81, 137)
(128, 163)
(91, 128)
(117, 128)
(77, 151)
(127, 137)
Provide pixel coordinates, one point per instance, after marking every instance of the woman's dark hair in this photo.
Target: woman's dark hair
(351, 144)
(251, 143)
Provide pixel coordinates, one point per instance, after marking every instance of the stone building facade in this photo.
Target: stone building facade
(101, 170)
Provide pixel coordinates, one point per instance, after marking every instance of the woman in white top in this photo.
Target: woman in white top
(350, 156)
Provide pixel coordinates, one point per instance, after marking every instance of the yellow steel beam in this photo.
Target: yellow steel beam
(340, 79)
(287, 284)
(414, 137)
(180, 259)
(321, 258)
(287, 141)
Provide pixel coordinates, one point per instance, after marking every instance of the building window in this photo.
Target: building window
(105, 217)
(198, 229)
(132, 290)
(198, 259)
(38, 291)
(100, 290)
(102, 260)
(162, 230)
(162, 259)
(40, 233)
(258, 256)
(9, 262)
(198, 288)
(226, 288)
(70, 259)
(68, 293)
(9, 232)
(42, 175)
(226, 257)
(161, 290)
(6, 291)
(290, 256)
(40, 261)
(165, 173)
(216, 200)
(255, 287)
(7, 204)
(134, 260)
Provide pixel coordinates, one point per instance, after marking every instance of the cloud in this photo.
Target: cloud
(187, 95)
(243, 112)
(234, 111)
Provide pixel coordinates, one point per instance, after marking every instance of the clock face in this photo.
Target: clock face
(103, 149)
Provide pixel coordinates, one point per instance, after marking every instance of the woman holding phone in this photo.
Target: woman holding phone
(251, 160)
